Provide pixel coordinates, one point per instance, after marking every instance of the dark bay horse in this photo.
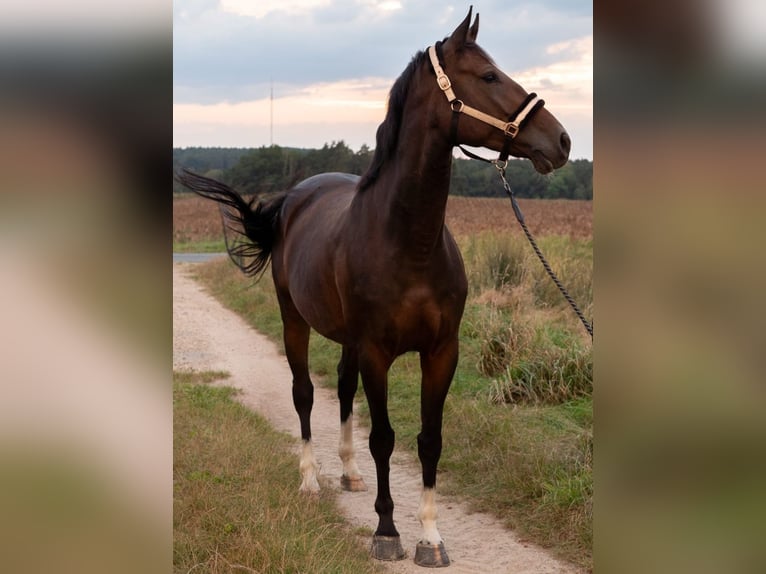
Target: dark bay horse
(369, 262)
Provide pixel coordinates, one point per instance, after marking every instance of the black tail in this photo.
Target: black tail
(253, 223)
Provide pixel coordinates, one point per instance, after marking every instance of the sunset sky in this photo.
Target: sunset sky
(332, 63)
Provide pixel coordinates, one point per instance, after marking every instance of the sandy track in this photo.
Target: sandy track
(208, 336)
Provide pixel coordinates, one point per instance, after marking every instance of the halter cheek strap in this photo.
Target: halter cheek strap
(510, 127)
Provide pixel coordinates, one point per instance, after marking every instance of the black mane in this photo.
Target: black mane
(388, 131)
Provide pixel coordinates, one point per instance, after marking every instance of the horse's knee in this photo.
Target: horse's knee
(348, 382)
(382, 444)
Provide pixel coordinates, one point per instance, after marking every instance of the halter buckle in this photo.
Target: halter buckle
(511, 129)
(444, 82)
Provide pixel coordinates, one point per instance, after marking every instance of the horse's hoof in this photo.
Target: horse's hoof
(431, 555)
(352, 484)
(387, 548)
(309, 488)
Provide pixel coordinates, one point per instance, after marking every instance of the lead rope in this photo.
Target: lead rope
(500, 166)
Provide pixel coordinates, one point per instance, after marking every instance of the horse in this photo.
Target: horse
(369, 262)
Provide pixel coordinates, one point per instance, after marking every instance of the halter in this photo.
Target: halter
(510, 128)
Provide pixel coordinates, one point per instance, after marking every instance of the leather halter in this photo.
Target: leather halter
(510, 127)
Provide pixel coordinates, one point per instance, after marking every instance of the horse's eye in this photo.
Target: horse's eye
(490, 77)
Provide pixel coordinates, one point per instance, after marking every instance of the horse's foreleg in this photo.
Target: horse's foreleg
(438, 370)
(348, 382)
(386, 544)
(296, 337)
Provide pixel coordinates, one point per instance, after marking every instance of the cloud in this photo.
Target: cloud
(569, 81)
(306, 117)
(263, 8)
(347, 39)
(359, 100)
(223, 58)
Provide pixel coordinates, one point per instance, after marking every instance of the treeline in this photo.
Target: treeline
(204, 159)
(273, 168)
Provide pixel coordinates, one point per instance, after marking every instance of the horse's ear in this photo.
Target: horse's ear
(473, 31)
(462, 33)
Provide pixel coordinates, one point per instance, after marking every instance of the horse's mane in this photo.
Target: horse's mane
(388, 131)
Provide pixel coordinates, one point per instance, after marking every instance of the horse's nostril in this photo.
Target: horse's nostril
(566, 143)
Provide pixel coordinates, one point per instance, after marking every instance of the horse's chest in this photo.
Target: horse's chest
(419, 317)
(417, 303)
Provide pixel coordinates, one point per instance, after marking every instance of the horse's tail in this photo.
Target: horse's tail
(253, 223)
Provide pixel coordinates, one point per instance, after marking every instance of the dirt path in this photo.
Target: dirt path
(208, 336)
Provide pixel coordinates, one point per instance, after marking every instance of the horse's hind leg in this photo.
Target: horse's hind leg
(296, 337)
(348, 382)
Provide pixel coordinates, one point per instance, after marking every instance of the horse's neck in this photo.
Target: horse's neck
(415, 186)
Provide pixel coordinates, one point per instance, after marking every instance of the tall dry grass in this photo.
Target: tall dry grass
(528, 339)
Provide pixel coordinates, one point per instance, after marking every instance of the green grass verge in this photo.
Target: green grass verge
(518, 421)
(209, 246)
(233, 510)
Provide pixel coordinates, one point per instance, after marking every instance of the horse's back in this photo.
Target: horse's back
(326, 195)
(329, 180)
(313, 218)
(315, 207)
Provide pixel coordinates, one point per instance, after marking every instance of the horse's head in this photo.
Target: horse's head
(496, 112)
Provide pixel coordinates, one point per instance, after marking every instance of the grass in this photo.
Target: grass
(200, 246)
(233, 510)
(518, 422)
(532, 467)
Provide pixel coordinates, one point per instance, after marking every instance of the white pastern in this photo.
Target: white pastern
(427, 515)
(346, 449)
(309, 469)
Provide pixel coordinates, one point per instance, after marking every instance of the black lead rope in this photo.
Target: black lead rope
(500, 166)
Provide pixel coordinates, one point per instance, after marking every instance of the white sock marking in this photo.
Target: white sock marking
(346, 449)
(309, 469)
(427, 514)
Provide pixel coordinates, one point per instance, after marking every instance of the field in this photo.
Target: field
(518, 428)
(196, 220)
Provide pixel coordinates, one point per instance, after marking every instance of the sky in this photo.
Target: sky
(331, 64)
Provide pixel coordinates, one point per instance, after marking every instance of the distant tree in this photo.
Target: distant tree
(263, 170)
(201, 159)
(362, 160)
(562, 182)
(478, 179)
(210, 161)
(336, 156)
(583, 171)
(524, 179)
(272, 168)
(216, 173)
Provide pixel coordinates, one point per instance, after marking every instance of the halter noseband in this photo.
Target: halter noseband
(510, 128)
